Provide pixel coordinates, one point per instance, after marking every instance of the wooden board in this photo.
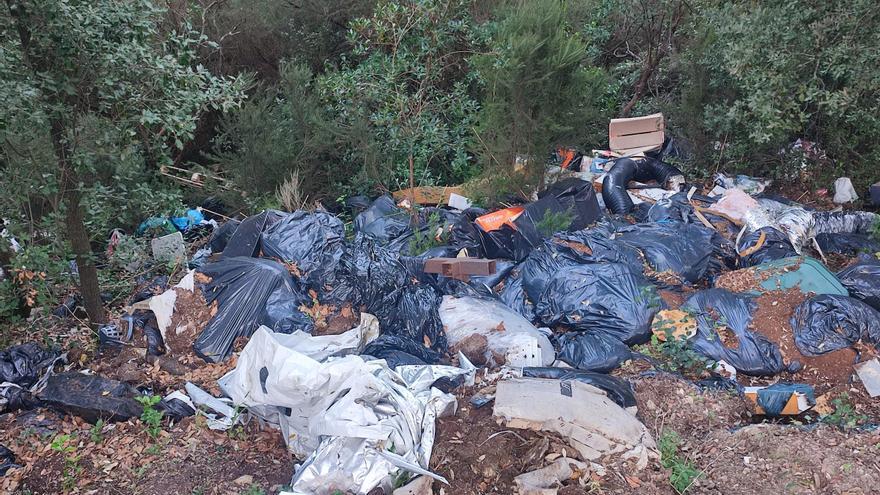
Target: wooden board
(428, 195)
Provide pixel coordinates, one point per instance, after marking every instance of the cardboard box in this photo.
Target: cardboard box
(636, 135)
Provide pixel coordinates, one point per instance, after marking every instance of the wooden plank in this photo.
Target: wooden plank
(460, 268)
(428, 195)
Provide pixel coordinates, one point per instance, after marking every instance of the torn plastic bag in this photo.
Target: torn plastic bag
(848, 244)
(514, 297)
(250, 292)
(176, 406)
(719, 308)
(590, 351)
(24, 364)
(503, 334)
(826, 323)
(775, 246)
(91, 397)
(617, 389)
(221, 236)
(383, 220)
(245, 241)
(341, 414)
(773, 399)
(7, 460)
(862, 280)
(398, 351)
(314, 242)
(608, 298)
(683, 249)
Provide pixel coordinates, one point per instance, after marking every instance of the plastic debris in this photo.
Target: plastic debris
(718, 309)
(250, 292)
(826, 323)
(844, 192)
(91, 397)
(781, 399)
(491, 331)
(343, 414)
(862, 280)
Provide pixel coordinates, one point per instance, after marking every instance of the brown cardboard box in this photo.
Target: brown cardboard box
(636, 135)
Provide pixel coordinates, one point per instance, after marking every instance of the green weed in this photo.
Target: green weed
(72, 469)
(683, 471)
(150, 416)
(95, 431)
(844, 415)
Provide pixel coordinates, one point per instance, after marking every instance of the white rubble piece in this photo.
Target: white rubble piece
(357, 423)
(508, 334)
(169, 248)
(545, 481)
(459, 202)
(419, 486)
(844, 192)
(163, 307)
(869, 374)
(584, 415)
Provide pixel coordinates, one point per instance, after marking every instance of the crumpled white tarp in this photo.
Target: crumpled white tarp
(357, 421)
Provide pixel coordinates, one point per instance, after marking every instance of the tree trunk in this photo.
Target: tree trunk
(76, 229)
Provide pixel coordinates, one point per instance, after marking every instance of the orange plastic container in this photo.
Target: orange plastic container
(494, 221)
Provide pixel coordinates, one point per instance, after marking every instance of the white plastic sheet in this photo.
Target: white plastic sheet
(344, 414)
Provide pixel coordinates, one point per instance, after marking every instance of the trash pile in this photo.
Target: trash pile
(353, 345)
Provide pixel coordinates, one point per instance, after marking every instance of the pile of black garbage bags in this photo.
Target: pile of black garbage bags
(595, 283)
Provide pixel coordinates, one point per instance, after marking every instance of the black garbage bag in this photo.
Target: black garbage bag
(515, 298)
(607, 298)
(383, 220)
(830, 322)
(575, 196)
(24, 364)
(464, 234)
(220, 237)
(847, 243)
(862, 280)
(571, 197)
(590, 351)
(508, 242)
(776, 246)
(400, 351)
(618, 389)
(315, 242)
(684, 249)
(245, 241)
(396, 290)
(716, 308)
(250, 292)
(91, 397)
(595, 245)
(414, 316)
(148, 289)
(7, 460)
